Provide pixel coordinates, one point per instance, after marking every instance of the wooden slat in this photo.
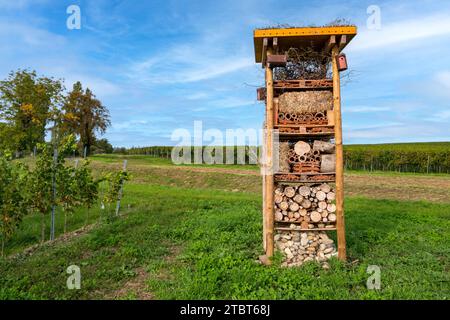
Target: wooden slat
(305, 230)
(340, 223)
(303, 84)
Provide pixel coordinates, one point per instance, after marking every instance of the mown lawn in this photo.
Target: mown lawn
(181, 243)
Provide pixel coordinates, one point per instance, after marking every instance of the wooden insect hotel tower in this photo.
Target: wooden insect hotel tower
(302, 164)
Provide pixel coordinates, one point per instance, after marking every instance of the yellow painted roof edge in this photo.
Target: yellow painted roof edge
(307, 31)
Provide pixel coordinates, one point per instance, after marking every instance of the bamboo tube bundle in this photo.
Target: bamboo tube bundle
(306, 167)
(300, 247)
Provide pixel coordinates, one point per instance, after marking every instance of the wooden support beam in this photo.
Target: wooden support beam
(340, 223)
(269, 179)
(264, 51)
(275, 45)
(342, 42)
(330, 44)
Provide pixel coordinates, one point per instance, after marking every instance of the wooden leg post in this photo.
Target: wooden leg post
(268, 178)
(340, 223)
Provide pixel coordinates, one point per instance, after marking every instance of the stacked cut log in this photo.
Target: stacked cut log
(301, 247)
(317, 157)
(309, 206)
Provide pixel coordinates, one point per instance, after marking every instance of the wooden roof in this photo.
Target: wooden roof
(315, 37)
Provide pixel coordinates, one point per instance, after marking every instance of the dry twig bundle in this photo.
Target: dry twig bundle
(304, 63)
(305, 101)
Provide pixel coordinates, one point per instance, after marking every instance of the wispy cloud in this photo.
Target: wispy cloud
(19, 4)
(178, 67)
(365, 109)
(402, 32)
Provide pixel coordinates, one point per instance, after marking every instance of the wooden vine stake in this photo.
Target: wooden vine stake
(121, 189)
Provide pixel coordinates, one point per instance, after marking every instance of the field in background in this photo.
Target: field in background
(426, 157)
(194, 232)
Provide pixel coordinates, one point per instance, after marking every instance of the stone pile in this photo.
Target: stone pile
(300, 247)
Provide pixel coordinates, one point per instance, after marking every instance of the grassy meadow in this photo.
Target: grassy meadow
(194, 232)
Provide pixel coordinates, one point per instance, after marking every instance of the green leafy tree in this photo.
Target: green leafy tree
(114, 182)
(84, 115)
(13, 197)
(102, 146)
(40, 186)
(49, 175)
(86, 187)
(27, 103)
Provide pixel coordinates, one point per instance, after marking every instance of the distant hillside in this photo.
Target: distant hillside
(429, 157)
(409, 146)
(424, 157)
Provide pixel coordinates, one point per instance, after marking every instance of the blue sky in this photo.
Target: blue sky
(160, 65)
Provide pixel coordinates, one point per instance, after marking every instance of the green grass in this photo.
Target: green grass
(407, 146)
(202, 244)
(155, 161)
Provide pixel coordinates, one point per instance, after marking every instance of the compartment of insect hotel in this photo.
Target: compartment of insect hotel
(303, 188)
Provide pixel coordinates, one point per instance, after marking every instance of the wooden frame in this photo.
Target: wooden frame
(273, 41)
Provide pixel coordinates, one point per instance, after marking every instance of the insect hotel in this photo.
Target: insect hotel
(303, 195)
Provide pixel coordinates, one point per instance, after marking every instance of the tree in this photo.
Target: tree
(13, 197)
(84, 115)
(27, 103)
(49, 175)
(102, 146)
(86, 187)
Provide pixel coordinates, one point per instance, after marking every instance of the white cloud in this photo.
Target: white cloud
(365, 109)
(413, 131)
(173, 68)
(18, 34)
(204, 57)
(19, 4)
(402, 32)
(443, 79)
(231, 102)
(197, 96)
(100, 87)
